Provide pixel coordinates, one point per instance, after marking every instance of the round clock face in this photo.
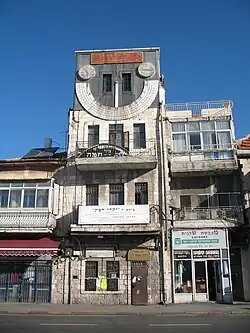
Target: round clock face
(146, 69)
(86, 73)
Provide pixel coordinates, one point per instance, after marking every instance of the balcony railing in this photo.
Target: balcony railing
(196, 108)
(217, 213)
(27, 220)
(106, 149)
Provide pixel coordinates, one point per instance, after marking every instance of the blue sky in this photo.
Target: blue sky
(205, 55)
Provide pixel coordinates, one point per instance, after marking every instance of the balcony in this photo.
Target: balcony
(107, 156)
(116, 219)
(21, 221)
(221, 217)
(212, 159)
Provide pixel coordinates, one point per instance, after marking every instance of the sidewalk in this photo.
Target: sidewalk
(84, 309)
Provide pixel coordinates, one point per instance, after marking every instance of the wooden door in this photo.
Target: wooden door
(139, 287)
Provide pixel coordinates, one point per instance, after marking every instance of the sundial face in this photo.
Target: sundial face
(93, 106)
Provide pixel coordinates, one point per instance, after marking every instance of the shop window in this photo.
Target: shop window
(91, 275)
(183, 276)
(113, 272)
(200, 277)
(141, 193)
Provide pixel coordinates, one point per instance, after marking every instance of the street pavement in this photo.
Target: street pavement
(168, 309)
(124, 323)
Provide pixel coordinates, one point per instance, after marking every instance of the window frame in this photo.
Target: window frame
(93, 138)
(121, 199)
(95, 189)
(214, 129)
(24, 186)
(126, 82)
(90, 277)
(106, 84)
(141, 185)
(142, 136)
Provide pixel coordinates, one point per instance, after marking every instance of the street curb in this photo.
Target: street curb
(99, 313)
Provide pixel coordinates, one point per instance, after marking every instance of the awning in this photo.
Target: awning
(28, 247)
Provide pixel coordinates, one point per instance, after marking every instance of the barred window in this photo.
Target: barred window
(91, 275)
(107, 83)
(141, 193)
(126, 81)
(93, 135)
(92, 195)
(116, 194)
(113, 274)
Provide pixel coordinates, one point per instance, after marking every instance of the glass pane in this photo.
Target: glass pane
(3, 184)
(29, 198)
(42, 199)
(220, 125)
(16, 184)
(207, 125)
(178, 127)
(183, 276)
(193, 126)
(224, 139)
(209, 140)
(15, 198)
(194, 141)
(44, 184)
(179, 142)
(4, 195)
(29, 184)
(200, 277)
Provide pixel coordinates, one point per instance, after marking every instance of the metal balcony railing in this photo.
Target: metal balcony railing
(216, 213)
(85, 149)
(197, 107)
(22, 219)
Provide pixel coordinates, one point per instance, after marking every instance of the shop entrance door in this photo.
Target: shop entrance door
(200, 275)
(139, 283)
(214, 280)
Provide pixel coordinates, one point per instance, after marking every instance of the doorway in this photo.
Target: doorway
(139, 287)
(211, 281)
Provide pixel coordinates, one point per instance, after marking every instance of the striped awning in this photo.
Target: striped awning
(28, 247)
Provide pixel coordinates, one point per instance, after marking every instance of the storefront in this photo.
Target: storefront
(201, 266)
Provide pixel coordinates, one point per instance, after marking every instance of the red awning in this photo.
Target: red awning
(28, 247)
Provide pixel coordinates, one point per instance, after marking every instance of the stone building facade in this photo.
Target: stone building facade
(110, 197)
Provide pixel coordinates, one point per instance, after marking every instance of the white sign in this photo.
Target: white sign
(115, 214)
(199, 239)
(100, 253)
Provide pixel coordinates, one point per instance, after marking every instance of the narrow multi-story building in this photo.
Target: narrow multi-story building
(205, 198)
(110, 204)
(27, 221)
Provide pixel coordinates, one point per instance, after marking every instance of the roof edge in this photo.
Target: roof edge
(154, 48)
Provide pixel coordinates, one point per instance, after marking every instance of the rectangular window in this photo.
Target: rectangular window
(4, 197)
(116, 194)
(141, 193)
(93, 135)
(113, 274)
(92, 195)
(107, 83)
(126, 82)
(139, 136)
(24, 195)
(183, 276)
(91, 275)
(116, 135)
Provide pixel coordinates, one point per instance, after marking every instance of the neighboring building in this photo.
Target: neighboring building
(240, 250)
(27, 221)
(205, 197)
(110, 206)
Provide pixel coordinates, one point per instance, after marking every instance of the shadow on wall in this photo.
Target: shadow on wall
(70, 176)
